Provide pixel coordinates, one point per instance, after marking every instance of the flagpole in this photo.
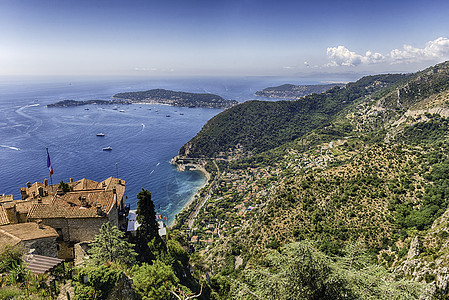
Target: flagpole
(49, 165)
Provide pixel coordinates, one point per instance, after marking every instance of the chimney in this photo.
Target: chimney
(23, 193)
(83, 201)
(45, 182)
(39, 224)
(71, 179)
(99, 211)
(28, 184)
(41, 191)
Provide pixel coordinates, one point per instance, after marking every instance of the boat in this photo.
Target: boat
(107, 148)
(168, 116)
(115, 108)
(100, 134)
(181, 114)
(86, 109)
(121, 110)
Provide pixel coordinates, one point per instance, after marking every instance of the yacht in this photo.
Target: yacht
(100, 134)
(107, 148)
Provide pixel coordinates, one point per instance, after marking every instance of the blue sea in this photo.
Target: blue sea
(143, 138)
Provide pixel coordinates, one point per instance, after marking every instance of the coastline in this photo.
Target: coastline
(196, 167)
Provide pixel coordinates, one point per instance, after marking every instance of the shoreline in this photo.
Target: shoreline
(198, 168)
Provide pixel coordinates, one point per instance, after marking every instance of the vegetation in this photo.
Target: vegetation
(110, 246)
(367, 162)
(258, 126)
(177, 98)
(148, 242)
(301, 270)
(295, 91)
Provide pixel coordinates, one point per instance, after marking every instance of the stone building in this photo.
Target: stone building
(75, 212)
(36, 237)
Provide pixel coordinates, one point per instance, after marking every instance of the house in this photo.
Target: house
(36, 237)
(75, 212)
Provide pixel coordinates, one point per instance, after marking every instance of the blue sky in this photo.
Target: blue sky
(232, 37)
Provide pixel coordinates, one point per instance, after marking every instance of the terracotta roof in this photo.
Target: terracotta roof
(72, 205)
(82, 202)
(39, 264)
(3, 216)
(5, 198)
(14, 233)
(85, 184)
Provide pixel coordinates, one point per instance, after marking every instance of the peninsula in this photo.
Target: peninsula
(68, 103)
(161, 96)
(291, 91)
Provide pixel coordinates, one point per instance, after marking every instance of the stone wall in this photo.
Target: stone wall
(113, 216)
(83, 230)
(81, 252)
(61, 227)
(43, 246)
(65, 250)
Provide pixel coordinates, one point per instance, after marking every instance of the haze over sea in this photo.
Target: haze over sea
(143, 141)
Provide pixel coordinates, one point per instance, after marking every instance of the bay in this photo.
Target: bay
(143, 138)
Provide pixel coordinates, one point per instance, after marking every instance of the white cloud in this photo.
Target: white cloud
(341, 56)
(434, 50)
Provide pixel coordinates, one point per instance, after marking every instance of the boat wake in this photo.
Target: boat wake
(10, 147)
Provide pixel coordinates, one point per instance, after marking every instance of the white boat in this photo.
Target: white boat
(100, 134)
(107, 148)
(121, 110)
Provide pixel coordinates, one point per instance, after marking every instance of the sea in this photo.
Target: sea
(143, 138)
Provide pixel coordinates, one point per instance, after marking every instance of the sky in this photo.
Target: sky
(221, 37)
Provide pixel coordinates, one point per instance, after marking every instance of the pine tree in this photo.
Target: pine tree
(110, 245)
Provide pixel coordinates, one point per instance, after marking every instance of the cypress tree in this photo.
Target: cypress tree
(148, 231)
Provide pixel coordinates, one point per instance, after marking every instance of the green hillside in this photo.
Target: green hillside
(258, 126)
(364, 166)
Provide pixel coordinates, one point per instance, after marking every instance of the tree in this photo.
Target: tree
(95, 282)
(154, 281)
(148, 231)
(110, 245)
(301, 270)
(64, 186)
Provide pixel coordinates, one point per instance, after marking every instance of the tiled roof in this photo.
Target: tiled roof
(25, 232)
(72, 205)
(81, 202)
(3, 216)
(39, 264)
(85, 184)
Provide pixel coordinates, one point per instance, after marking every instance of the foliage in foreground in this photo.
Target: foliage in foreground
(110, 245)
(300, 271)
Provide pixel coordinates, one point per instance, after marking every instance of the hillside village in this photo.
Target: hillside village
(61, 220)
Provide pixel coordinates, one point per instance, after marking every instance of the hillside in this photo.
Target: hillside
(291, 91)
(257, 126)
(161, 96)
(366, 164)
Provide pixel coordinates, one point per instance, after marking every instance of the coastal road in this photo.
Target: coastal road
(194, 213)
